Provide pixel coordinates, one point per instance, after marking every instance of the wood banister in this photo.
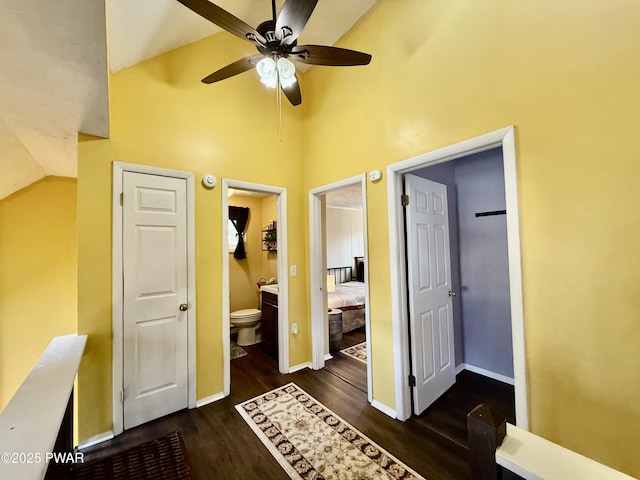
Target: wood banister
(486, 429)
(498, 450)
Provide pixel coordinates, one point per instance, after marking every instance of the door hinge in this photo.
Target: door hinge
(122, 396)
(404, 200)
(412, 381)
(121, 198)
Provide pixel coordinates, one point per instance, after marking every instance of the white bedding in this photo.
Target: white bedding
(346, 295)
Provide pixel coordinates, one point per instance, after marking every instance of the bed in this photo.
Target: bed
(349, 295)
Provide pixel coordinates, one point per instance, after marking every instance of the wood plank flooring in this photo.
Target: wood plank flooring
(222, 446)
(347, 368)
(448, 415)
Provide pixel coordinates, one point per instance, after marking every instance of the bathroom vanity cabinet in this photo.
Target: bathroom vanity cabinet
(269, 325)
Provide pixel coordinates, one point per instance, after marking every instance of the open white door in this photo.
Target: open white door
(155, 297)
(429, 279)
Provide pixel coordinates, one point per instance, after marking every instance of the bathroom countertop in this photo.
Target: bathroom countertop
(270, 288)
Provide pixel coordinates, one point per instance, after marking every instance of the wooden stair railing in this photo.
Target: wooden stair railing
(486, 429)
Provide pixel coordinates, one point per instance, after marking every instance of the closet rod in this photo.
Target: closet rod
(488, 214)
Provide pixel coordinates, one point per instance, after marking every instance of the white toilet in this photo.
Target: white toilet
(248, 324)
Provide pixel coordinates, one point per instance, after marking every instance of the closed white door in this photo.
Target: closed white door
(429, 278)
(155, 310)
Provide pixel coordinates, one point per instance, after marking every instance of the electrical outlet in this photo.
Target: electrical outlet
(294, 328)
(293, 270)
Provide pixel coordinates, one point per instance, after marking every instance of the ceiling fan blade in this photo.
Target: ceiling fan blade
(223, 19)
(293, 17)
(293, 93)
(332, 56)
(234, 68)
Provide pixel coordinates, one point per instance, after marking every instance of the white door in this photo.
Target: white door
(155, 362)
(429, 279)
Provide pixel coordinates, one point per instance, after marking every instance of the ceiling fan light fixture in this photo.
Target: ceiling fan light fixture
(287, 72)
(268, 72)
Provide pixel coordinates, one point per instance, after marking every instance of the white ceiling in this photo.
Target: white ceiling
(146, 28)
(53, 59)
(53, 84)
(345, 197)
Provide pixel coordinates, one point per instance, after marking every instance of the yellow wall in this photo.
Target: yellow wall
(37, 275)
(162, 115)
(244, 274)
(566, 74)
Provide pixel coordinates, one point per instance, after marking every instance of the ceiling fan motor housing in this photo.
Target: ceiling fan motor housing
(274, 45)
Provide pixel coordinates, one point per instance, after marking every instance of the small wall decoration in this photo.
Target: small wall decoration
(270, 238)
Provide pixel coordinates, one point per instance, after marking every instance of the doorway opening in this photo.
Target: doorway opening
(339, 281)
(399, 288)
(254, 280)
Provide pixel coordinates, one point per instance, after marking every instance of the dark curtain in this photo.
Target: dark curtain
(239, 217)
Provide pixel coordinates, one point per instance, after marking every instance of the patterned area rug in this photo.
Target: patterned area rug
(359, 352)
(237, 351)
(311, 442)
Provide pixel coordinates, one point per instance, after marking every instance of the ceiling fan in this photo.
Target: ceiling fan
(276, 41)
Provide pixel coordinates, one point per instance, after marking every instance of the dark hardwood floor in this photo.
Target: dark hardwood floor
(222, 446)
(346, 368)
(448, 415)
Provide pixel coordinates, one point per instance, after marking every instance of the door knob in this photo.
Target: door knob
(184, 307)
(452, 293)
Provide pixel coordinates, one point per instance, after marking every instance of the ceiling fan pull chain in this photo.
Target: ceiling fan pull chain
(279, 107)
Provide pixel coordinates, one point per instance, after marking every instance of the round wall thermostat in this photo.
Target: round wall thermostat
(209, 181)
(375, 175)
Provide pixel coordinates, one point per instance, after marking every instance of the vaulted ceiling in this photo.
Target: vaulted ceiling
(53, 84)
(55, 58)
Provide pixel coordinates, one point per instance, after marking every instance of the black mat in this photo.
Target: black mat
(162, 458)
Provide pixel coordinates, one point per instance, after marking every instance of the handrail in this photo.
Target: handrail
(533, 457)
(39, 411)
(494, 443)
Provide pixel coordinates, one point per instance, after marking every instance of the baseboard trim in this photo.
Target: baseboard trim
(96, 439)
(384, 408)
(210, 399)
(327, 356)
(302, 366)
(486, 373)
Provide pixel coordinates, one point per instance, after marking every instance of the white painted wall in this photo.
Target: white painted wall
(345, 236)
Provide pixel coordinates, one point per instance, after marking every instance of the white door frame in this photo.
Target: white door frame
(317, 274)
(283, 278)
(118, 284)
(504, 138)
